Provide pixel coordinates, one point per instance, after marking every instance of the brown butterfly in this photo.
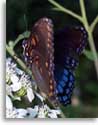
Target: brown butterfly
(39, 55)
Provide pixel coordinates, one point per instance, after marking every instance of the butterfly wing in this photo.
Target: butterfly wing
(72, 41)
(65, 83)
(69, 44)
(38, 52)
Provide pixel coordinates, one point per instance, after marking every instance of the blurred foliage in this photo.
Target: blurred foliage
(89, 54)
(21, 17)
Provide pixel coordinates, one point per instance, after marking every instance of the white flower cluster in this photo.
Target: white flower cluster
(19, 85)
(17, 81)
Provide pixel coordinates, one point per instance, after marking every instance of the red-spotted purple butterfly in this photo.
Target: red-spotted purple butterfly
(69, 43)
(53, 58)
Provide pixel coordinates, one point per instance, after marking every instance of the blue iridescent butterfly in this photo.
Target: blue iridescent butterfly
(54, 57)
(69, 44)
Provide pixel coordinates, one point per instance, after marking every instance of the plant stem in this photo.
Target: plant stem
(94, 23)
(93, 49)
(83, 11)
(90, 35)
(18, 60)
(21, 37)
(63, 9)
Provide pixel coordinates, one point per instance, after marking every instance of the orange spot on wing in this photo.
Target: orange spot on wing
(48, 45)
(51, 87)
(46, 64)
(37, 62)
(33, 41)
(36, 38)
(49, 73)
(51, 81)
(50, 94)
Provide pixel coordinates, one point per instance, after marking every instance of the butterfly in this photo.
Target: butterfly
(69, 43)
(53, 58)
(38, 54)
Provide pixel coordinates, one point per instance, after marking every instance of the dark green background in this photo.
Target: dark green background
(86, 81)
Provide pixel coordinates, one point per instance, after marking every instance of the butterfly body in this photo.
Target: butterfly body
(53, 58)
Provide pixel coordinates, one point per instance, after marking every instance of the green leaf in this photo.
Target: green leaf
(92, 88)
(89, 55)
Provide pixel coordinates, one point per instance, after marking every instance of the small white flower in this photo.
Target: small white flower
(19, 71)
(21, 113)
(54, 113)
(30, 94)
(14, 78)
(22, 82)
(46, 107)
(10, 68)
(12, 112)
(40, 97)
(16, 113)
(32, 113)
(18, 80)
(46, 112)
(16, 84)
(9, 104)
(42, 113)
(27, 84)
(9, 90)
